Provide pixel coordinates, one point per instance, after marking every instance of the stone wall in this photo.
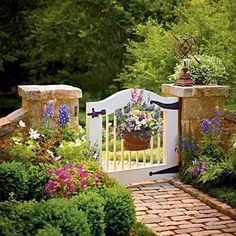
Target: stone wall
(34, 99)
(197, 103)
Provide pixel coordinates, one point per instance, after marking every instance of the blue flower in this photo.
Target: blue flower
(48, 111)
(150, 108)
(64, 115)
(205, 126)
(119, 113)
(157, 114)
(127, 109)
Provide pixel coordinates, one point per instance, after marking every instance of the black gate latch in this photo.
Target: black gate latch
(96, 113)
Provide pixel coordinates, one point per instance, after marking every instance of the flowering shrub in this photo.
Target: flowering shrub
(139, 118)
(70, 179)
(46, 144)
(198, 167)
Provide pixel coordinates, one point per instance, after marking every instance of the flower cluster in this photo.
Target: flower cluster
(64, 115)
(198, 167)
(48, 112)
(211, 129)
(140, 118)
(70, 180)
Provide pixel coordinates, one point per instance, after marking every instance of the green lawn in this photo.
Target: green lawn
(231, 107)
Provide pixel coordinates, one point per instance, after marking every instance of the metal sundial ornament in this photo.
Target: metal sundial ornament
(185, 48)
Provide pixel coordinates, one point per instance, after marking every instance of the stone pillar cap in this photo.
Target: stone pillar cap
(42, 92)
(196, 90)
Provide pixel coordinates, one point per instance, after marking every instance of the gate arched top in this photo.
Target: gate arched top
(121, 98)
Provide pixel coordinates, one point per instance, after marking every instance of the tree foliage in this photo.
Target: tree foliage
(152, 58)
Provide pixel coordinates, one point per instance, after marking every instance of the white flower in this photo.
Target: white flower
(16, 140)
(34, 134)
(77, 142)
(234, 145)
(57, 158)
(22, 124)
(50, 153)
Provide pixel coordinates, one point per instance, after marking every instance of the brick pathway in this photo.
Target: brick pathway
(168, 210)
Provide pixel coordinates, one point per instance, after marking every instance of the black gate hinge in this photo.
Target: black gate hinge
(171, 106)
(96, 113)
(173, 169)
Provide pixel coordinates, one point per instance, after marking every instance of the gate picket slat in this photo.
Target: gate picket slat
(114, 141)
(158, 148)
(107, 142)
(144, 158)
(137, 160)
(122, 154)
(129, 159)
(151, 151)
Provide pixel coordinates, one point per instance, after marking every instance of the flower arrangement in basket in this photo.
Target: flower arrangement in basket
(139, 121)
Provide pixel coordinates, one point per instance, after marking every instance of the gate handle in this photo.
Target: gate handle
(96, 113)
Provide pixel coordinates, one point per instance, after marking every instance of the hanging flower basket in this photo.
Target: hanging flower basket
(135, 143)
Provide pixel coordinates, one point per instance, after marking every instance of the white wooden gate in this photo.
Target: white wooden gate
(132, 166)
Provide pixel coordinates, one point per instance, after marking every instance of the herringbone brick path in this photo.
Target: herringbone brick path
(170, 211)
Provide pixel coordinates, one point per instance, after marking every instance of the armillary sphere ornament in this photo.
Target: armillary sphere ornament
(185, 48)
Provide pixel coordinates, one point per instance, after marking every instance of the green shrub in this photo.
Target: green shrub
(213, 152)
(13, 180)
(207, 70)
(119, 210)
(37, 180)
(93, 205)
(141, 229)
(31, 218)
(22, 153)
(49, 230)
(60, 213)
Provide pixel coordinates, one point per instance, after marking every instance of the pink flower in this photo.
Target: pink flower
(49, 171)
(66, 195)
(68, 166)
(83, 174)
(99, 174)
(72, 189)
(69, 181)
(83, 184)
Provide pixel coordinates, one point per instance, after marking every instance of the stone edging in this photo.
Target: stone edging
(210, 201)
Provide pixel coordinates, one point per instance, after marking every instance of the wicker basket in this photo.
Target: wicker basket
(134, 143)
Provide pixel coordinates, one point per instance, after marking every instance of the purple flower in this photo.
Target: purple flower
(64, 115)
(127, 109)
(150, 108)
(205, 126)
(217, 114)
(157, 114)
(48, 111)
(194, 162)
(118, 113)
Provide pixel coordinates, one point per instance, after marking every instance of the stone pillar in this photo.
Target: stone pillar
(197, 103)
(35, 97)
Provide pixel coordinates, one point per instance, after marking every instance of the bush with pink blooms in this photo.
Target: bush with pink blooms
(70, 179)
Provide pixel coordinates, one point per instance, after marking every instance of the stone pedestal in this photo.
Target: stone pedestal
(197, 103)
(35, 97)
